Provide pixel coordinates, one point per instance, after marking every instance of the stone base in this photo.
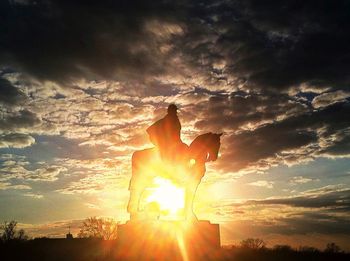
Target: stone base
(168, 239)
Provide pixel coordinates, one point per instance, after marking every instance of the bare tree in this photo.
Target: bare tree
(332, 248)
(253, 243)
(93, 227)
(10, 232)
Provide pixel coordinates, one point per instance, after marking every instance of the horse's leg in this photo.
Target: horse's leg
(190, 194)
(140, 159)
(134, 187)
(133, 203)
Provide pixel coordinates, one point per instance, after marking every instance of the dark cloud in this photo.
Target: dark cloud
(274, 45)
(262, 49)
(65, 40)
(10, 95)
(250, 147)
(16, 140)
(22, 120)
(339, 147)
(333, 200)
(328, 98)
(324, 210)
(236, 110)
(263, 126)
(306, 223)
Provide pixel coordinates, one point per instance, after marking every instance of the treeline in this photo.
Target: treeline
(252, 249)
(97, 241)
(92, 227)
(93, 249)
(260, 244)
(106, 228)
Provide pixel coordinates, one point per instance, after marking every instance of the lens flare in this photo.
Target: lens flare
(169, 197)
(192, 162)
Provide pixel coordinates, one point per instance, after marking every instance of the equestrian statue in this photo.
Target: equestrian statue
(171, 158)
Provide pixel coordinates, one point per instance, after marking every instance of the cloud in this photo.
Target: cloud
(311, 222)
(93, 206)
(106, 40)
(299, 180)
(7, 186)
(21, 171)
(278, 137)
(105, 180)
(246, 110)
(10, 95)
(20, 121)
(243, 71)
(323, 211)
(329, 98)
(340, 146)
(49, 173)
(16, 140)
(275, 46)
(333, 197)
(244, 44)
(33, 195)
(324, 190)
(262, 183)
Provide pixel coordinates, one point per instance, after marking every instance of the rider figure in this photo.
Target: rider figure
(165, 135)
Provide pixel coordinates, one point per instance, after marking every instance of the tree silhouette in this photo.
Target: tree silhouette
(93, 227)
(253, 243)
(22, 235)
(283, 248)
(332, 248)
(10, 233)
(308, 249)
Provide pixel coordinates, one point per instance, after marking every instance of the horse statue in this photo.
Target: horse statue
(187, 166)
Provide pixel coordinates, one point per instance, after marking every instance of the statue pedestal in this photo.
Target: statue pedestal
(168, 240)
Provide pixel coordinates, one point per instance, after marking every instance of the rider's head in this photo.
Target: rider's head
(172, 109)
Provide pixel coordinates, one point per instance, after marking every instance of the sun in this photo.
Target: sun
(169, 197)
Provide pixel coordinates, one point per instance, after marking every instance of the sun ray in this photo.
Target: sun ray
(169, 197)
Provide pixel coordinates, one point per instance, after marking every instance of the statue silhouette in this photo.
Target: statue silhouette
(167, 129)
(183, 163)
(165, 134)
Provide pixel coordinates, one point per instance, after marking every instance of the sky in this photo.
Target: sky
(80, 81)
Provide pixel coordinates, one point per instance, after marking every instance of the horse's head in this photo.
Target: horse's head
(206, 147)
(214, 146)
